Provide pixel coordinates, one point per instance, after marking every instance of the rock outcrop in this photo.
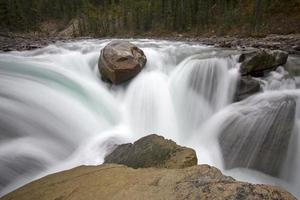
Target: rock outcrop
(120, 61)
(112, 181)
(153, 151)
(246, 86)
(256, 63)
(257, 135)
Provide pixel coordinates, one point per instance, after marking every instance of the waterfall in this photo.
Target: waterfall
(258, 132)
(201, 87)
(56, 113)
(150, 107)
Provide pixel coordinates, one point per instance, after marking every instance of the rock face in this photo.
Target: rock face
(111, 181)
(246, 87)
(153, 151)
(257, 62)
(120, 182)
(120, 61)
(258, 134)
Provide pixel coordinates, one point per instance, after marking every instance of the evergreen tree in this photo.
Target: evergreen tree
(110, 17)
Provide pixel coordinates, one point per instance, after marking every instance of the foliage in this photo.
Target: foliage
(136, 17)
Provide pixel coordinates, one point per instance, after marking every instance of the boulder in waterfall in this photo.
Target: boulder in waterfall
(255, 63)
(111, 181)
(258, 133)
(153, 151)
(246, 86)
(120, 61)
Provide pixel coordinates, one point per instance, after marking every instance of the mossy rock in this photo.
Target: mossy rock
(153, 151)
(256, 63)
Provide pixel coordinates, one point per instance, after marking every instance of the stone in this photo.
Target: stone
(120, 61)
(152, 151)
(111, 181)
(256, 63)
(246, 86)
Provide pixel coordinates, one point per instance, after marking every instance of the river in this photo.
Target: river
(56, 113)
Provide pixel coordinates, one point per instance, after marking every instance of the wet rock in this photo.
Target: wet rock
(153, 151)
(256, 63)
(246, 87)
(120, 61)
(225, 44)
(120, 182)
(293, 66)
(258, 133)
(296, 47)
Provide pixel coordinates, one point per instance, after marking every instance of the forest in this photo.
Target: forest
(153, 17)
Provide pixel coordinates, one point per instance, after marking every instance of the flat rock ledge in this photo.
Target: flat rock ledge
(111, 181)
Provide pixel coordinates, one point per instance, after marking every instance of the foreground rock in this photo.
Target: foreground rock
(256, 63)
(111, 181)
(153, 151)
(246, 87)
(120, 61)
(257, 135)
(120, 182)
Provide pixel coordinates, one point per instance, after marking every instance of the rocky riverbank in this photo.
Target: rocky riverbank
(289, 43)
(153, 178)
(10, 42)
(15, 42)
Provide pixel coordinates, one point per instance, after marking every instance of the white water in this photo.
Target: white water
(56, 113)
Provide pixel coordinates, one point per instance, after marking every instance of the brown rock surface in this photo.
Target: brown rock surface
(120, 61)
(120, 182)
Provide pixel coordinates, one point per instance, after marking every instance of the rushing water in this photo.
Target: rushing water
(56, 113)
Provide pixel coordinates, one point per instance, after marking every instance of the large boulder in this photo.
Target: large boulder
(257, 62)
(258, 133)
(120, 61)
(153, 151)
(112, 181)
(246, 87)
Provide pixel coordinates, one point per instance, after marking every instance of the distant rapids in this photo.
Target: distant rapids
(56, 113)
